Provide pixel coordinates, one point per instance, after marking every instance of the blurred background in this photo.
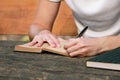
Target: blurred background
(17, 15)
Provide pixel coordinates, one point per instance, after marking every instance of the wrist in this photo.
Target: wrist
(44, 31)
(36, 29)
(41, 27)
(103, 44)
(109, 42)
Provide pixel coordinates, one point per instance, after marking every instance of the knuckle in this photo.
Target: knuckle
(50, 41)
(84, 50)
(36, 37)
(69, 50)
(81, 44)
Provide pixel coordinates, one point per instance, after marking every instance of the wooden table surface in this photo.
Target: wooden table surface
(46, 66)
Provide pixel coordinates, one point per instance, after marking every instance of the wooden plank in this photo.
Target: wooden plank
(46, 66)
(64, 24)
(16, 17)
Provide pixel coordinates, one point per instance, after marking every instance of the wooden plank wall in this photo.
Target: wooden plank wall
(64, 24)
(17, 15)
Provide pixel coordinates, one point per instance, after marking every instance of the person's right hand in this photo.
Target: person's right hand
(45, 36)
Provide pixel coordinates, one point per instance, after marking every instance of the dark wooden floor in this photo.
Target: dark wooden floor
(46, 66)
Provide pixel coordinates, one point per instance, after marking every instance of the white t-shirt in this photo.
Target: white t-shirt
(102, 16)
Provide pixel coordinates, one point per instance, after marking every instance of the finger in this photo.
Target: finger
(50, 41)
(75, 47)
(81, 53)
(40, 43)
(70, 43)
(55, 40)
(33, 42)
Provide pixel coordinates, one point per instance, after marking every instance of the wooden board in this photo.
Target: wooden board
(16, 17)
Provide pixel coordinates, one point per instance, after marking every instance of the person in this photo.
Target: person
(102, 17)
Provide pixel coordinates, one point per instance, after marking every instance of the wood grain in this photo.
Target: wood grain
(64, 24)
(46, 66)
(16, 17)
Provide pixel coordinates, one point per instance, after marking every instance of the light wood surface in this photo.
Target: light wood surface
(64, 24)
(16, 17)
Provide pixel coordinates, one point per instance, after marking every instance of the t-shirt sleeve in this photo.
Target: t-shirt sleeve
(55, 0)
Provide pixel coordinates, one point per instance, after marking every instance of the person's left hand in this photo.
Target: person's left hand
(82, 47)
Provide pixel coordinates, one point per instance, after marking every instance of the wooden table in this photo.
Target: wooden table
(46, 66)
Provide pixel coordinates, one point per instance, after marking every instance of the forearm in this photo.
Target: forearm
(110, 42)
(44, 18)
